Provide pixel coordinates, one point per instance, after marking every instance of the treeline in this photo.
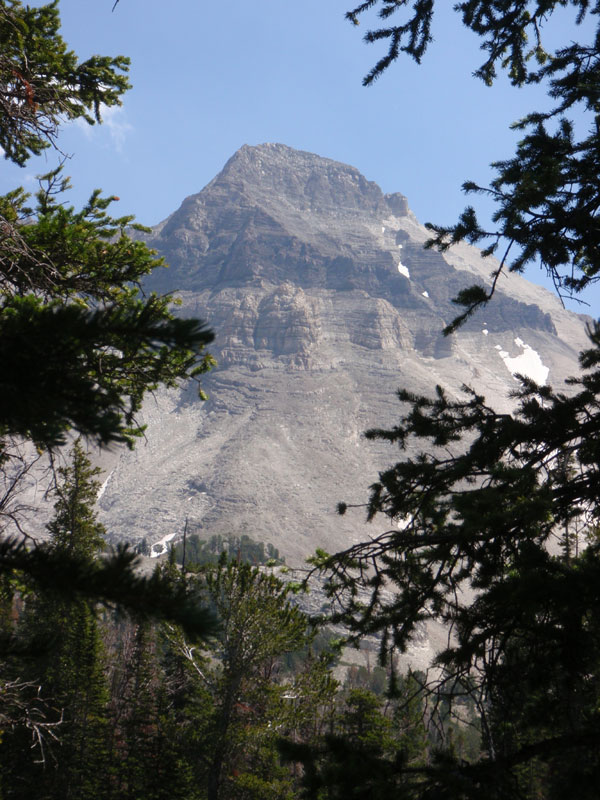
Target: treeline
(96, 704)
(195, 551)
(198, 552)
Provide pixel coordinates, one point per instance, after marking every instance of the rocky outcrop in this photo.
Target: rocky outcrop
(323, 302)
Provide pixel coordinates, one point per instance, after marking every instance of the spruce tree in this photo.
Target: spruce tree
(232, 700)
(69, 665)
(73, 317)
(486, 501)
(546, 196)
(75, 529)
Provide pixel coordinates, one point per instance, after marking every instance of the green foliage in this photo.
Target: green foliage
(141, 712)
(235, 678)
(364, 753)
(511, 33)
(147, 754)
(201, 552)
(112, 580)
(80, 343)
(547, 195)
(43, 83)
(66, 654)
(98, 733)
(257, 621)
(73, 320)
(363, 725)
(414, 723)
(74, 528)
(412, 36)
(323, 644)
(478, 552)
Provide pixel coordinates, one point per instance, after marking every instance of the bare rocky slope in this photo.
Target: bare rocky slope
(323, 302)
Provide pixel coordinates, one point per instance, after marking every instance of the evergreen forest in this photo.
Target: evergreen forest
(204, 680)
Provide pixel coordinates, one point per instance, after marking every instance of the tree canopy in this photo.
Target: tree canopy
(43, 83)
(73, 318)
(81, 344)
(494, 517)
(547, 195)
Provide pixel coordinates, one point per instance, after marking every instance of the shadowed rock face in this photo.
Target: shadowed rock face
(323, 302)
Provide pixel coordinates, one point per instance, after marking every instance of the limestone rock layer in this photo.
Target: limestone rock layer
(323, 302)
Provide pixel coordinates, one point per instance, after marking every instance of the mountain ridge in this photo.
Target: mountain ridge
(325, 260)
(323, 303)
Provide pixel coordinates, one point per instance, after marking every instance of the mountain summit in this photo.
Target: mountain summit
(272, 197)
(323, 302)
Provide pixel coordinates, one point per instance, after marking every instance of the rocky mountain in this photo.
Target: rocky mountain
(323, 302)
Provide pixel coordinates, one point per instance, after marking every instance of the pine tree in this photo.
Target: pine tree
(258, 624)
(69, 666)
(477, 552)
(73, 318)
(43, 83)
(547, 195)
(75, 529)
(487, 496)
(230, 688)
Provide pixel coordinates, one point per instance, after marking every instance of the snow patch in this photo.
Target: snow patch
(160, 547)
(403, 270)
(102, 489)
(498, 347)
(527, 363)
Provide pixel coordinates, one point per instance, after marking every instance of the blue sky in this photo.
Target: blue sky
(210, 76)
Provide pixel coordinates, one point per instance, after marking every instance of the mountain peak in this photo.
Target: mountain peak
(307, 181)
(275, 214)
(323, 301)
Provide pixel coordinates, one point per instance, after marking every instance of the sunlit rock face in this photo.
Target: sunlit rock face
(323, 302)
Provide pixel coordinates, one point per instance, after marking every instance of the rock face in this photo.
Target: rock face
(323, 302)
